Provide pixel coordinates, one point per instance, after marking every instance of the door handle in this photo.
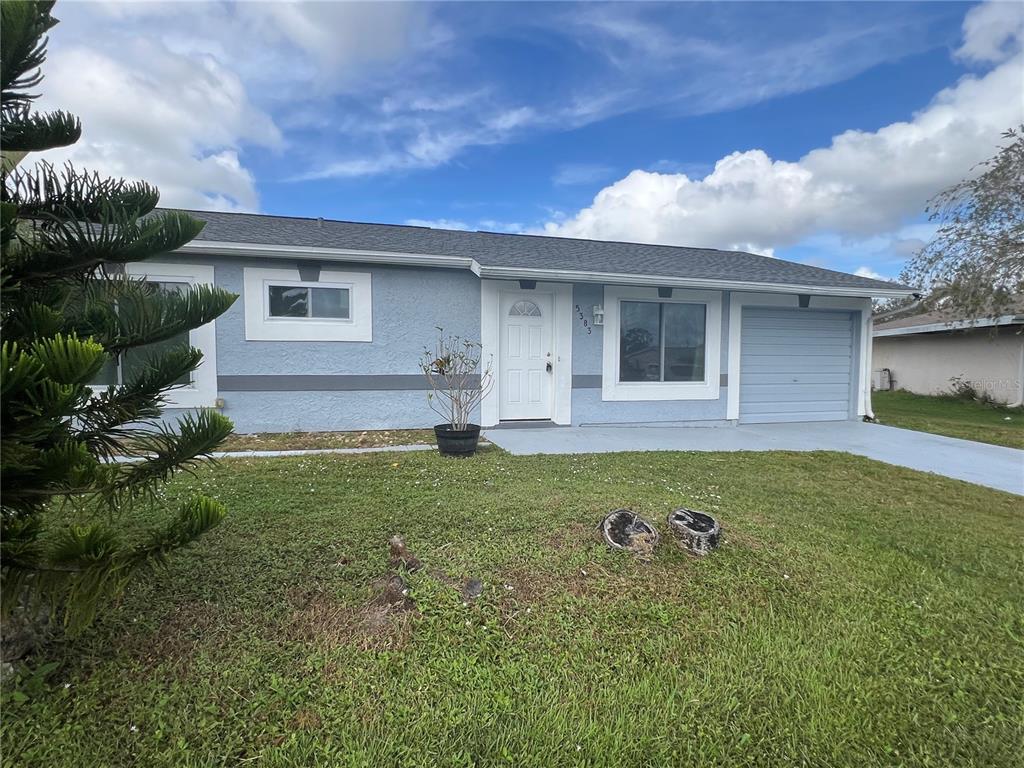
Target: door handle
(549, 366)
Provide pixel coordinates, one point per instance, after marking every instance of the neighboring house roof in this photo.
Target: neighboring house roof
(944, 320)
(491, 254)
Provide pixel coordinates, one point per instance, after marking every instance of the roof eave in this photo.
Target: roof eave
(311, 253)
(613, 278)
(955, 325)
(218, 248)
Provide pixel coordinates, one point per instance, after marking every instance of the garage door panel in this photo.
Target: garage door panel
(837, 327)
(766, 393)
(771, 364)
(817, 376)
(799, 406)
(770, 322)
(796, 337)
(816, 349)
(795, 365)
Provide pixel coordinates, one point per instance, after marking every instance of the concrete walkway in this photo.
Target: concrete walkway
(989, 465)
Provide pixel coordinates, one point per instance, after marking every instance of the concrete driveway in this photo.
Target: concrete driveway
(990, 465)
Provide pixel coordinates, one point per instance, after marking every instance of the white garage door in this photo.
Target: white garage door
(795, 365)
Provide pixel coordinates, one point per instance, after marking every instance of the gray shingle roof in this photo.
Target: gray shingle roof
(491, 249)
(1013, 312)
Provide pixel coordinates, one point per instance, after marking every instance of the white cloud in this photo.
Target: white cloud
(992, 32)
(862, 184)
(572, 174)
(176, 93)
(179, 125)
(663, 54)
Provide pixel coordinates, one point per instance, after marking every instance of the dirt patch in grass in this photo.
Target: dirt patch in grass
(306, 720)
(572, 536)
(177, 634)
(326, 620)
(588, 580)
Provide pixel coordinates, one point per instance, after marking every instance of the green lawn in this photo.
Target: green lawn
(857, 615)
(951, 416)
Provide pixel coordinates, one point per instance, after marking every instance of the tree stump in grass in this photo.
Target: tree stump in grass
(625, 530)
(696, 532)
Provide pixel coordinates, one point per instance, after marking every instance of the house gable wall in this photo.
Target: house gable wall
(925, 362)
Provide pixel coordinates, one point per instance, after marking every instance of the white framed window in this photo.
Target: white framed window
(289, 300)
(661, 348)
(280, 306)
(198, 389)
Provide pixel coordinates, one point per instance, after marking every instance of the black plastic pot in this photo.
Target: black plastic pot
(457, 442)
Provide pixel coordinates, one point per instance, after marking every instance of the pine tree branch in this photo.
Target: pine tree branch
(152, 316)
(24, 23)
(22, 131)
(86, 565)
(60, 245)
(169, 450)
(43, 192)
(101, 421)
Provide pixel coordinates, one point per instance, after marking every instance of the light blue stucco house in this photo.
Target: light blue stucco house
(333, 316)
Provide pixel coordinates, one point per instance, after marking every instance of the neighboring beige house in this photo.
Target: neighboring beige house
(922, 353)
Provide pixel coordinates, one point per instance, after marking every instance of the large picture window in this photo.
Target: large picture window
(661, 349)
(661, 341)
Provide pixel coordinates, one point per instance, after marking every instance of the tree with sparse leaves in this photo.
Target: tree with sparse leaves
(974, 266)
(70, 317)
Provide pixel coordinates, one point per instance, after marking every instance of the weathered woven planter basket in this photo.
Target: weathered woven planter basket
(697, 532)
(625, 530)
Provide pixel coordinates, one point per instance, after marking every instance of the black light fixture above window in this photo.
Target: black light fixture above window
(527, 285)
(664, 293)
(805, 300)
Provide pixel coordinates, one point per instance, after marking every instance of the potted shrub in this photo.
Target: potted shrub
(458, 382)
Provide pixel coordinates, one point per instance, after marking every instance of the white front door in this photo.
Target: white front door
(524, 367)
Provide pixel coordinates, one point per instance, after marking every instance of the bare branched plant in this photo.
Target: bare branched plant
(459, 378)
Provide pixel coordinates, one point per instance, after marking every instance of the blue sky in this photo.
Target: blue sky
(810, 131)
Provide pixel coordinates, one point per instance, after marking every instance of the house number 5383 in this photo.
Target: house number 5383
(586, 323)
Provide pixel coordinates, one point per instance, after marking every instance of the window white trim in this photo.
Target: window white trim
(738, 300)
(561, 339)
(202, 392)
(708, 389)
(260, 326)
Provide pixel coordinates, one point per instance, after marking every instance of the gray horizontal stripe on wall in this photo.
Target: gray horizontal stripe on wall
(586, 381)
(326, 383)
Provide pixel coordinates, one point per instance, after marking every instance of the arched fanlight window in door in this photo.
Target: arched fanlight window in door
(524, 309)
